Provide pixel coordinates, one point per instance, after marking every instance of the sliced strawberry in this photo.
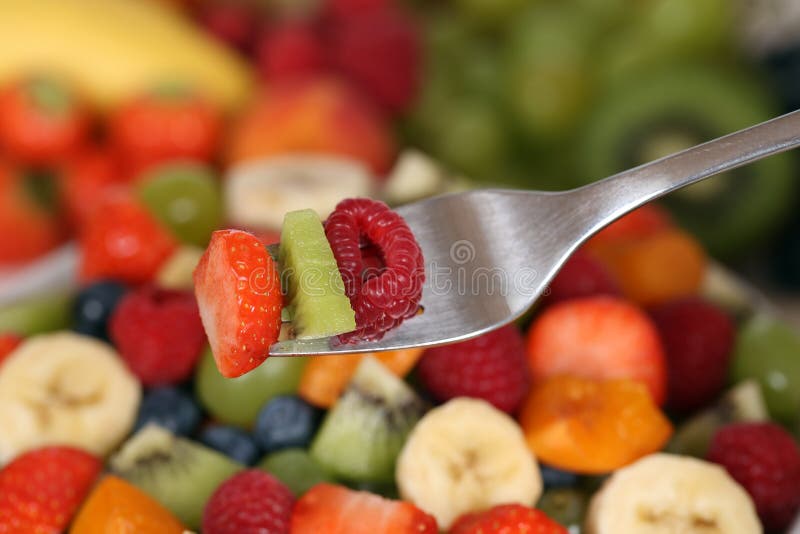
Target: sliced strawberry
(8, 342)
(238, 290)
(123, 241)
(338, 510)
(599, 338)
(41, 490)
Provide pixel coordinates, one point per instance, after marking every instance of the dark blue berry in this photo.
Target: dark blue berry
(171, 408)
(231, 441)
(93, 307)
(555, 478)
(285, 421)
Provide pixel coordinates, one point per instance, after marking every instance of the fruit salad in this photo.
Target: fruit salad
(195, 175)
(636, 397)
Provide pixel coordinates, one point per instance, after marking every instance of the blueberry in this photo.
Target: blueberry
(171, 408)
(93, 307)
(285, 421)
(555, 478)
(231, 441)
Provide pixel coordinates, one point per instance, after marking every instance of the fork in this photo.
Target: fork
(489, 254)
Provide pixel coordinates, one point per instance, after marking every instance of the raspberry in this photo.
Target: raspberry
(291, 49)
(381, 297)
(698, 340)
(765, 460)
(159, 334)
(491, 367)
(581, 276)
(379, 51)
(250, 501)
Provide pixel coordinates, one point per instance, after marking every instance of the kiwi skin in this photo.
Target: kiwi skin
(363, 433)
(701, 102)
(178, 473)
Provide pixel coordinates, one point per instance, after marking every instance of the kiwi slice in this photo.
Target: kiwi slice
(363, 433)
(744, 402)
(179, 473)
(318, 304)
(671, 109)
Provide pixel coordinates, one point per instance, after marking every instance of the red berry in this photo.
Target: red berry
(123, 241)
(41, 490)
(379, 50)
(290, 50)
(8, 342)
(29, 227)
(600, 338)
(491, 367)
(765, 460)
(698, 339)
(41, 121)
(507, 519)
(250, 501)
(343, 9)
(86, 180)
(338, 510)
(238, 290)
(384, 297)
(581, 276)
(233, 23)
(159, 334)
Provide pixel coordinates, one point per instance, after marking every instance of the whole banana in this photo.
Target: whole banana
(113, 50)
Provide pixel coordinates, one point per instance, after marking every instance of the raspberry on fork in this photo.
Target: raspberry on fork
(381, 265)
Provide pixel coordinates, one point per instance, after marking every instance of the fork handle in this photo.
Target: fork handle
(613, 197)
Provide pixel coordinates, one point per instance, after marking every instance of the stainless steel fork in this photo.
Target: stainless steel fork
(489, 254)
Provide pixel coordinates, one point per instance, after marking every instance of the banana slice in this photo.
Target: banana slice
(666, 494)
(466, 456)
(68, 389)
(258, 194)
(177, 271)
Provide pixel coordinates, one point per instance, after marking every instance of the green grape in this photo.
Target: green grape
(689, 26)
(236, 401)
(185, 197)
(295, 468)
(769, 352)
(38, 315)
(564, 505)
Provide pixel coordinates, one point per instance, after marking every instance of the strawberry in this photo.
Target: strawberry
(288, 50)
(8, 342)
(41, 490)
(491, 367)
(86, 179)
(238, 290)
(698, 338)
(250, 501)
(343, 9)
(598, 337)
(123, 241)
(640, 223)
(379, 50)
(505, 519)
(159, 334)
(338, 510)
(28, 225)
(581, 276)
